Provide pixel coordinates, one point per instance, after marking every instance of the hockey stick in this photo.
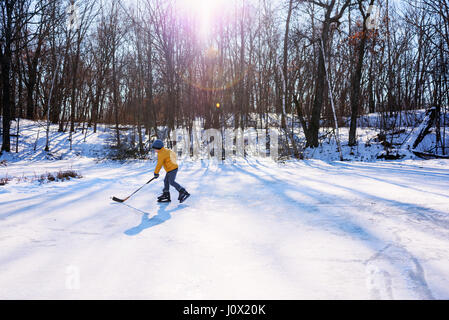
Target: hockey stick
(123, 200)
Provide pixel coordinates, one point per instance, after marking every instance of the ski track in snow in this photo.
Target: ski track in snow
(252, 229)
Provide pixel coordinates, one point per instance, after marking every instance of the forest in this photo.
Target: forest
(291, 64)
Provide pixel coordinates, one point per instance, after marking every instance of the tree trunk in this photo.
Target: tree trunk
(314, 126)
(6, 73)
(355, 82)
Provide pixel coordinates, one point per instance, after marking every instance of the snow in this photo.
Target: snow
(252, 229)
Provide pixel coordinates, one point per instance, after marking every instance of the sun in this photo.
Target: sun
(203, 12)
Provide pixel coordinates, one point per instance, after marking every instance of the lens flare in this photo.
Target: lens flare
(204, 12)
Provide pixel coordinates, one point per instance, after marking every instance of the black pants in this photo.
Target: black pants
(170, 180)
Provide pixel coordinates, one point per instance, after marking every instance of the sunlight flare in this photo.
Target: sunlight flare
(204, 13)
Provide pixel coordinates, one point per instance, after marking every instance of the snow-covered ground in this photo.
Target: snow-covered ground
(251, 230)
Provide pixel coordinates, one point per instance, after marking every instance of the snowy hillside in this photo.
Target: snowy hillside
(87, 144)
(32, 138)
(252, 229)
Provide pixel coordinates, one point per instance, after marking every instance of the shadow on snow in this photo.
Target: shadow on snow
(162, 215)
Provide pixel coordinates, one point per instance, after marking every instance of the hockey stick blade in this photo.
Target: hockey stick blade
(119, 200)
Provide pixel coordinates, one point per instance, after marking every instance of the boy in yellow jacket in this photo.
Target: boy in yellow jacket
(167, 158)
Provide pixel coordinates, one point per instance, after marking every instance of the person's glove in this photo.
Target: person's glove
(156, 175)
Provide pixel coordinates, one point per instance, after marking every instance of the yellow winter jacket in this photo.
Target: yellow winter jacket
(166, 158)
